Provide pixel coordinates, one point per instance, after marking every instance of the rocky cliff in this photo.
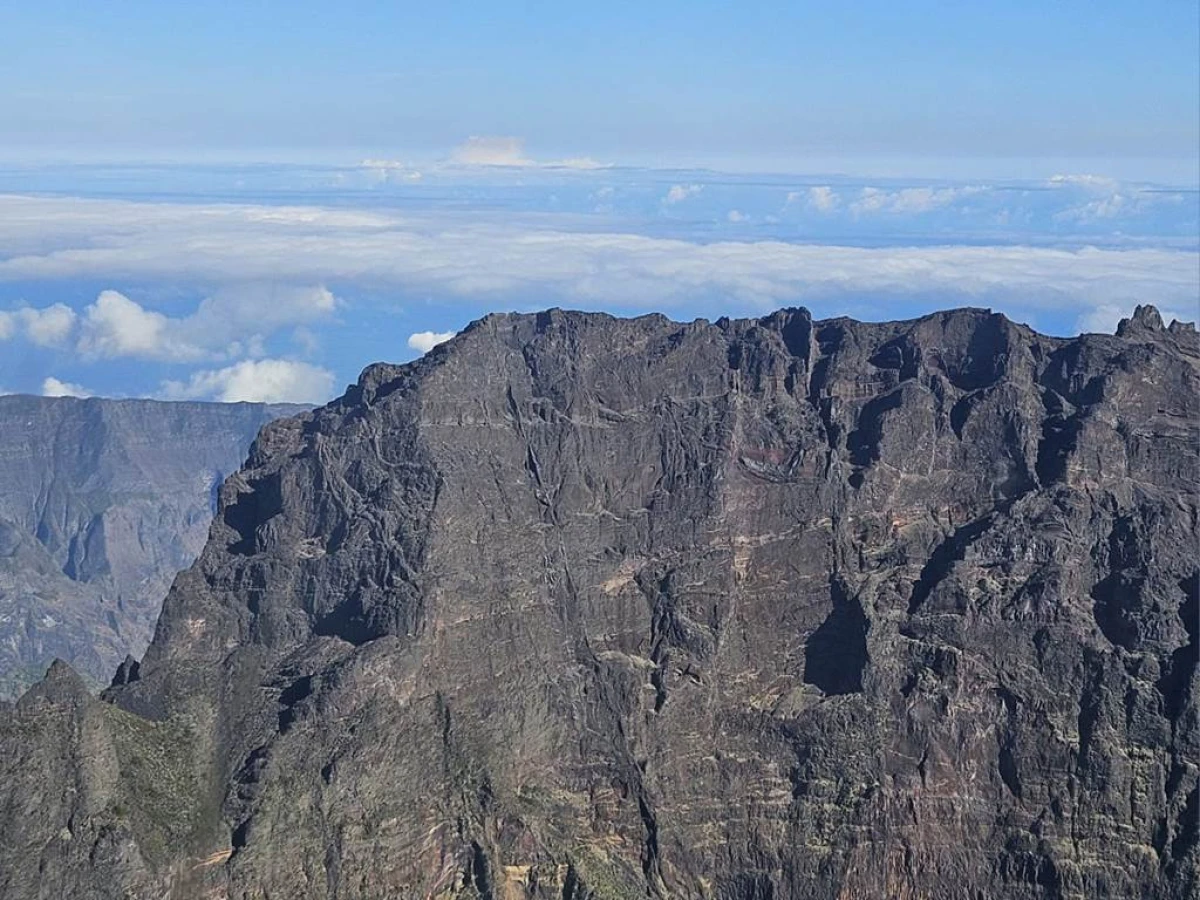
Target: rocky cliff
(102, 502)
(577, 607)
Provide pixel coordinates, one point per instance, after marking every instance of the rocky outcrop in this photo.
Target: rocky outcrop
(102, 502)
(580, 607)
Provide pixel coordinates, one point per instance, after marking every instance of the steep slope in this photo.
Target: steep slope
(102, 502)
(579, 607)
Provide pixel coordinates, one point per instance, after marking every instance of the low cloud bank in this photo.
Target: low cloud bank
(502, 261)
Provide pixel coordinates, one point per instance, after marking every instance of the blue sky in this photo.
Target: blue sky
(255, 200)
(739, 85)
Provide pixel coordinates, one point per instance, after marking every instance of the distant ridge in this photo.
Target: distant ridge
(101, 503)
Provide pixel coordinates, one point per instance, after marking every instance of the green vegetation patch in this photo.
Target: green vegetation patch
(161, 783)
(604, 877)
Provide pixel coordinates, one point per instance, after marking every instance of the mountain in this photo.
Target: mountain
(102, 502)
(579, 607)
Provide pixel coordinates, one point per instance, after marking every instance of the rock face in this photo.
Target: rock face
(102, 502)
(578, 608)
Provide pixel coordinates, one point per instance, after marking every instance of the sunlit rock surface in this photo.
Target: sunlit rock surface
(580, 607)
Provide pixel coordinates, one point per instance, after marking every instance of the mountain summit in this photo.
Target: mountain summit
(588, 608)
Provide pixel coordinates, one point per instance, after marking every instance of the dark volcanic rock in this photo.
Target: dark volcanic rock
(578, 607)
(102, 502)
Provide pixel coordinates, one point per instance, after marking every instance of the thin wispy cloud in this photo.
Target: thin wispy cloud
(509, 152)
(1103, 207)
(582, 163)
(1091, 182)
(391, 170)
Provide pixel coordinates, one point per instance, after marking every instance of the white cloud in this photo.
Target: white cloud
(870, 200)
(584, 163)
(503, 258)
(256, 381)
(491, 151)
(1103, 199)
(909, 201)
(1100, 198)
(393, 164)
(1108, 207)
(427, 340)
(1105, 317)
(52, 387)
(822, 198)
(49, 326)
(734, 216)
(232, 322)
(256, 310)
(46, 327)
(1092, 182)
(381, 170)
(116, 326)
(680, 192)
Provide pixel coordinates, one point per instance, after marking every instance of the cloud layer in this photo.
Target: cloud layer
(229, 301)
(506, 260)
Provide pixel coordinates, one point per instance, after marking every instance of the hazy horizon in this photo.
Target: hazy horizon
(227, 201)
